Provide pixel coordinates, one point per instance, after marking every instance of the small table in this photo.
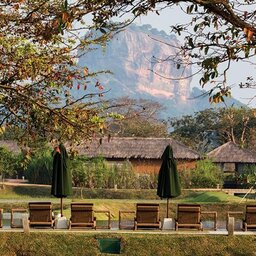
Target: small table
(108, 215)
(120, 218)
(214, 214)
(17, 210)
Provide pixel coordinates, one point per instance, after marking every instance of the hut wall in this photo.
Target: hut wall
(146, 166)
(186, 165)
(153, 165)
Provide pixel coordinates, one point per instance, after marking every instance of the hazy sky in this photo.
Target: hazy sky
(237, 73)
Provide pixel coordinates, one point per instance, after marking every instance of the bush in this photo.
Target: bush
(9, 163)
(90, 173)
(206, 175)
(97, 173)
(185, 178)
(39, 170)
(248, 176)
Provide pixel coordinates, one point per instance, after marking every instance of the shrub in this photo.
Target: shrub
(9, 163)
(185, 178)
(90, 173)
(248, 176)
(97, 173)
(39, 170)
(206, 175)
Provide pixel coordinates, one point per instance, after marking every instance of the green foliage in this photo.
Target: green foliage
(206, 175)
(185, 178)
(227, 124)
(89, 173)
(97, 173)
(248, 176)
(124, 176)
(38, 70)
(9, 163)
(39, 170)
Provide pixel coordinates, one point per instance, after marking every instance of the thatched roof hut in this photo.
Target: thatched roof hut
(231, 158)
(143, 153)
(232, 153)
(134, 147)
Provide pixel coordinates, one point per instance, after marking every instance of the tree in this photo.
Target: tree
(38, 69)
(139, 118)
(39, 45)
(218, 34)
(210, 128)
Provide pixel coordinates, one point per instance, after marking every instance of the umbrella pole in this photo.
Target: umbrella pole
(167, 208)
(61, 206)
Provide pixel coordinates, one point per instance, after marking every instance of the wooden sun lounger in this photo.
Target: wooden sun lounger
(147, 216)
(82, 215)
(188, 216)
(249, 221)
(40, 214)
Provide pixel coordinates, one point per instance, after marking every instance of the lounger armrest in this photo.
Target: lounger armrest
(108, 215)
(123, 212)
(229, 213)
(16, 210)
(1, 217)
(214, 214)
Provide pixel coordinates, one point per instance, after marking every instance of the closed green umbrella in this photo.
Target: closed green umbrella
(61, 176)
(168, 179)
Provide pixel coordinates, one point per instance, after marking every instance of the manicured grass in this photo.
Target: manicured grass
(19, 196)
(209, 197)
(42, 192)
(76, 243)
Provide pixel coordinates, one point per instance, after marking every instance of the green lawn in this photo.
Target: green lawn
(19, 196)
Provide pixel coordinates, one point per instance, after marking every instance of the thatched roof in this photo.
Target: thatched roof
(10, 145)
(231, 153)
(132, 147)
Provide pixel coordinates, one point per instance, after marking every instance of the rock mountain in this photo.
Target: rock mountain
(131, 56)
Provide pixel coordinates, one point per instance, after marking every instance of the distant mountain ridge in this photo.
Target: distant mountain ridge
(132, 55)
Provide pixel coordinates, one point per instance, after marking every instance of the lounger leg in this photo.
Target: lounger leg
(245, 226)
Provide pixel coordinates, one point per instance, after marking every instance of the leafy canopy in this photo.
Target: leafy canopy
(39, 42)
(38, 70)
(208, 127)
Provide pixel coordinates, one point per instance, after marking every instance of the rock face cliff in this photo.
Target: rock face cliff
(135, 57)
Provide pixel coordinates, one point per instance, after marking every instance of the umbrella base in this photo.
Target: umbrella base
(168, 224)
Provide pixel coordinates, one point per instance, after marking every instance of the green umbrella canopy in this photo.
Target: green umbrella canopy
(168, 179)
(61, 176)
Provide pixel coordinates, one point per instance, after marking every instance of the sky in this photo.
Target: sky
(238, 71)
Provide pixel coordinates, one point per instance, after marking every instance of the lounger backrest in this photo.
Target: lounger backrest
(250, 215)
(189, 214)
(81, 213)
(147, 213)
(40, 212)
